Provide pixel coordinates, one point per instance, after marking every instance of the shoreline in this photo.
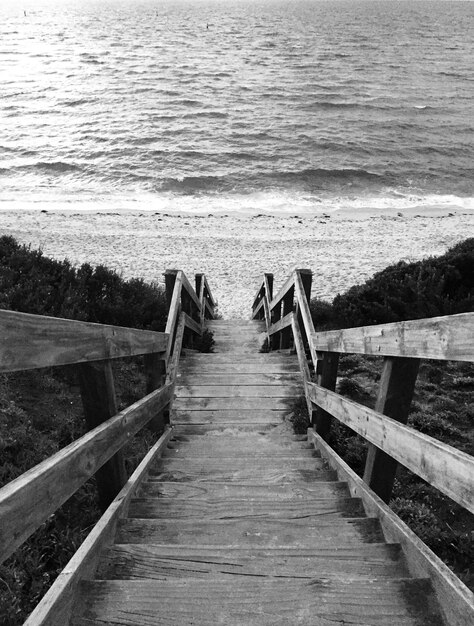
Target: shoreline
(235, 250)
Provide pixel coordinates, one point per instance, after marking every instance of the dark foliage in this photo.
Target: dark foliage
(33, 283)
(441, 285)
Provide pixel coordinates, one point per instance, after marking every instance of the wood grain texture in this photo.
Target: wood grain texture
(233, 404)
(255, 417)
(192, 324)
(446, 338)
(284, 322)
(237, 509)
(241, 475)
(260, 602)
(55, 608)
(455, 599)
(34, 341)
(305, 314)
(28, 501)
(242, 378)
(297, 533)
(444, 467)
(132, 561)
(264, 491)
(239, 391)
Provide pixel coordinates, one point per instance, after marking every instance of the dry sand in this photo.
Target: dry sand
(234, 252)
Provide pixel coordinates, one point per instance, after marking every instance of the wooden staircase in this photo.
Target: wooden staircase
(240, 522)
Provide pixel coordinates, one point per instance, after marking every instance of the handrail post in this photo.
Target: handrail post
(326, 376)
(100, 404)
(155, 372)
(170, 279)
(397, 386)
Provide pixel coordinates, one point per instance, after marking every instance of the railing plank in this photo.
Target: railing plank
(285, 322)
(444, 467)
(189, 289)
(190, 323)
(100, 404)
(456, 600)
(28, 501)
(34, 341)
(56, 606)
(448, 338)
(305, 314)
(259, 306)
(396, 389)
(287, 285)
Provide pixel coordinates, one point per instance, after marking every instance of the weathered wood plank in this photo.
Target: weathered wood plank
(243, 379)
(284, 322)
(287, 285)
(396, 389)
(243, 533)
(55, 607)
(230, 509)
(326, 376)
(189, 289)
(100, 404)
(200, 465)
(34, 341)
(30, 499)
(305, 313)
(270, 358)
(447, 338)
(255, 415)
(259, 602)
(227, 404)
(174, 357)
(279, 492)
(455, 599)
(239, 391)
(444, 467)
(270, 476)
(129, 561)
(190, 323)
(204, 428)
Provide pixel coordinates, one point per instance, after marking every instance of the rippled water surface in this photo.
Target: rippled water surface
(207, 105)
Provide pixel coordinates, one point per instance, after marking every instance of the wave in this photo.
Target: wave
(310, 180)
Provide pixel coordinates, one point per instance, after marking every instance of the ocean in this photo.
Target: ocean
(280, 107)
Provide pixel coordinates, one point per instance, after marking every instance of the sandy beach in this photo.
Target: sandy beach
(234, 252)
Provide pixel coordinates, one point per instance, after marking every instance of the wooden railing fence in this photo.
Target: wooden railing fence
(288, 321)
(34, 341)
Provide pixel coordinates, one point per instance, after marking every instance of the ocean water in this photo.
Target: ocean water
(276, 106)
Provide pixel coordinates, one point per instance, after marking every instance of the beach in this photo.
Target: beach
(235, 250)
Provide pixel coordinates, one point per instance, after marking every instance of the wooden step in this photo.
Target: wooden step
(158, 562)
(234, 509)
(255, 601)
(230, 367)
(295, 533)
(237, 446)
(260, 492)
(228, 427)
(236, 404)
(254, 418)
(245, 475)
(237, 392)
(253, 358)
(244, 379)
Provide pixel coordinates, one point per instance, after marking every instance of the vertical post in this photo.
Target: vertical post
(397, 386)
(170, 279)
(200, 291)
(100, 404)
(326, 376)
(155, 372)
(287, 307)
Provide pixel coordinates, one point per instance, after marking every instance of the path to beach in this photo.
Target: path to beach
(235, 251)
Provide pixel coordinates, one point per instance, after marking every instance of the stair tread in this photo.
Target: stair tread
(237, 600)
(157, 561)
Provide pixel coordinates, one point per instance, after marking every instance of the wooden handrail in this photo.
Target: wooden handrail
(390, 440)
(26, 502)
(449, 470)
(34, 341)
(447, 338)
